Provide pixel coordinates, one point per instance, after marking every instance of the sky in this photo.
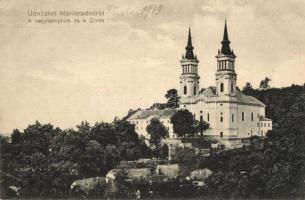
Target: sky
(65, 73)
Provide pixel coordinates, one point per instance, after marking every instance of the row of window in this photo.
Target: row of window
(265, 124)
(138, 128)
(262, 133)
(221, 117)
(186, 69)
(223, 65)
(137, 122)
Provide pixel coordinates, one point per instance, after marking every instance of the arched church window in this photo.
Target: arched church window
(185, 90)
(194, 90)
(231, 87)
(221, 87)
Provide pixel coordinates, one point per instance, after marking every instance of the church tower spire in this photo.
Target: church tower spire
(189, 54)
(225, 49)
(189, 79)
(225, 75)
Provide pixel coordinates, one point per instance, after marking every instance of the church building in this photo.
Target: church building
(230, 113)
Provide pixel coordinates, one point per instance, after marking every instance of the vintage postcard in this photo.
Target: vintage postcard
(152, 99)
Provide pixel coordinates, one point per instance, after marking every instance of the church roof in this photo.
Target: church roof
(144, 114)
(242, 98)
(209, 92)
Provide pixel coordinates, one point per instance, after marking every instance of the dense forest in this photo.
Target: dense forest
(277, 169)
(43, 160)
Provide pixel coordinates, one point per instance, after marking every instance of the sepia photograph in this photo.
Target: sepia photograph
(152, 99)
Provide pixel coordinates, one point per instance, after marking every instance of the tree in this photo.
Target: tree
(183, 123)
(16, 136)
(157, 131)
(172, 99)
(187, 158)
(265, 84)
(247, 87)
(201, 126)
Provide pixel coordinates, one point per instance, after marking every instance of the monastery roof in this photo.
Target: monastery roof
(262, 118)
(144, 114)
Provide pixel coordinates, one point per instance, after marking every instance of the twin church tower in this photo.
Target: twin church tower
(225, 75)
(230, 113)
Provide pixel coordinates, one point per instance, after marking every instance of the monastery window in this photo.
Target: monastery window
(243, 116)
(258, 124)
(201, 118)
(208, 117)
(268, 124)
(194, 116)
(221, 87)
(194, 90)
(231, 87)
(265, 124)
(232, 117)
(221, 119)
(225, 64)
(185, 90)
(200, 111)
(221, 134)
(252, 116)
(262, 133)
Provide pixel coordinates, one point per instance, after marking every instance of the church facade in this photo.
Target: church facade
(230, 113)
